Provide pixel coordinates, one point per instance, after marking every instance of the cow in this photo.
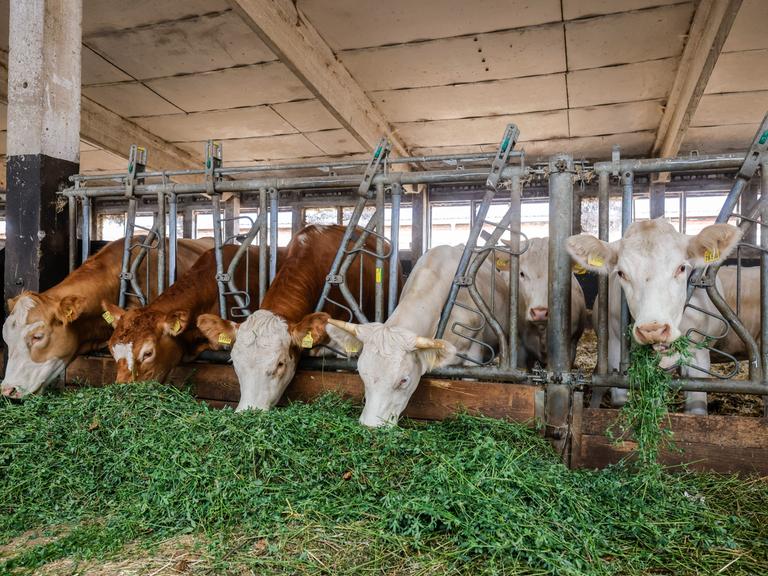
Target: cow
(651, 264)
(147, 343)
(533, 307)
(44, 331)
(749, 312)
(396, 354)
(267, 345)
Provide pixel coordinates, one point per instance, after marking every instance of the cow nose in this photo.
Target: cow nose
(652, 333)
(9, 391)
(539, 314)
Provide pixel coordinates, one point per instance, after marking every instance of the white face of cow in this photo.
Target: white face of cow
(265, 351)
(534, 281)
(652, 262)
(40, 342)
(391, 364)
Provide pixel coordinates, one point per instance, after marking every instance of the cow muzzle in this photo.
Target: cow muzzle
(539, 314)
(11, 392)
(653, 333)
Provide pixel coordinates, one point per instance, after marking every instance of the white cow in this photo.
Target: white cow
(749, 314)
(397, 353)
(651, 264)
(533, 307)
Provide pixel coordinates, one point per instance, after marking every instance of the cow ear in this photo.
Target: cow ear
(112, 313)
(12, 301)
(713, 244)
(70, 308)
(219, 332)
(591, 253)
(310, 330)
(175, 322)
(440, 354)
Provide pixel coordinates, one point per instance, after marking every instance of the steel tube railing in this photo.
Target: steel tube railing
(263, 253)
(379, 280)
(86, 231)
(274, 216)
(764, 278)
(601, 329)
(692, 384)
(72, 230)
(173, 211)
(515, 209)
(627, 181)
(161, 248)
(394, 268)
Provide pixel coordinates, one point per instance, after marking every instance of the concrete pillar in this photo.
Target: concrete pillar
(419, 222)
(657, 193)
(231, 213)
(43, 138)
(188, 222)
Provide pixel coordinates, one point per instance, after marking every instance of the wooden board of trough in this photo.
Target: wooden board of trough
(434, 399)
(717, 443)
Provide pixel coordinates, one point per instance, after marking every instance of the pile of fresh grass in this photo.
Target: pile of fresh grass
(139, 463)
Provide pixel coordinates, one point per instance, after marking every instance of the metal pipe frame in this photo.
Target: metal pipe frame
(173, 208)
(692, 384)
(274, 215)
(627, 181)
(515, 210)
(764, 279)
(72, 230)
(601, 329)
(558, 392)
(263, 254)
(394, 268)
(86, 231)
(161, 236)
(379, 280)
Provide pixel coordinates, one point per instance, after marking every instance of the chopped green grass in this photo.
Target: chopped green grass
(140, 463)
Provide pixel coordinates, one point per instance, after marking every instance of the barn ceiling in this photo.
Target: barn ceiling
(447, 75)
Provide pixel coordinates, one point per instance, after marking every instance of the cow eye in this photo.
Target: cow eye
(680, 269)
(37, 337)
(621, 274)
(147, 355)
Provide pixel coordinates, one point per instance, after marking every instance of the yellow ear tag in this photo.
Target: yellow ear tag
(595, 260)
(502, 264)
(108, 318)
(307, 341)
(378, 275)
(579, 269)
(224, 339)
(710, 256)
(176, 328)
(351, 348)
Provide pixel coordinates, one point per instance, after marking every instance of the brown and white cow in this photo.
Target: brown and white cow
(45, 331)
(651, 265)
(267, 345)
(149, 342)
(533, 306)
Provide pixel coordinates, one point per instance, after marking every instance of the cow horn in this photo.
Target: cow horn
(422, 342)
(346, 326)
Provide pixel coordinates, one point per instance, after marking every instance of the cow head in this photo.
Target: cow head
(534, 279)
(41, 341)
(391, 363)
(146, 344)
(265, 351)
(652, 262)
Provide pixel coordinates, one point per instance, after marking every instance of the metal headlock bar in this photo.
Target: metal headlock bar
(345, 255)
(129, 283)
(472, 258)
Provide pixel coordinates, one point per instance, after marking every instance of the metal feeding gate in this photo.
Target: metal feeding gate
(496, 385)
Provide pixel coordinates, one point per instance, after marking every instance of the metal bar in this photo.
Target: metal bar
(515, 209)
(648, 165)
(602, 286)
(172, 237)
(130, 221)
(263, 254)
(86, 231)
(241, 296)
(379, 285)
(558, 397)
(508, 142)
(394, 268)
(657, 193)
(221, 277)
(764, 279)
(683, 212)
(72, 228)
(627, 180)
(161, 245)
(274, 227)
(693, 384)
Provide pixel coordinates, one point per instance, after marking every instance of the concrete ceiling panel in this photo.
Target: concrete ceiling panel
(719, 139)
(101, 161)
(748, 30)
(734, 108)
(435, 151)
(739, 72)
(335, 142)
(469, 131)
(307, 115)
(271, 148)
(86, 146)
(129, 99)
(201, 44)
(221, 124)
(615, 118)
(495, 56)
(573, 9)
(627, 83)
(349, 24)
(635, 144)
(97, 70)
(629, 37)
(515, 96)
(104, 15)
(233, 88)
